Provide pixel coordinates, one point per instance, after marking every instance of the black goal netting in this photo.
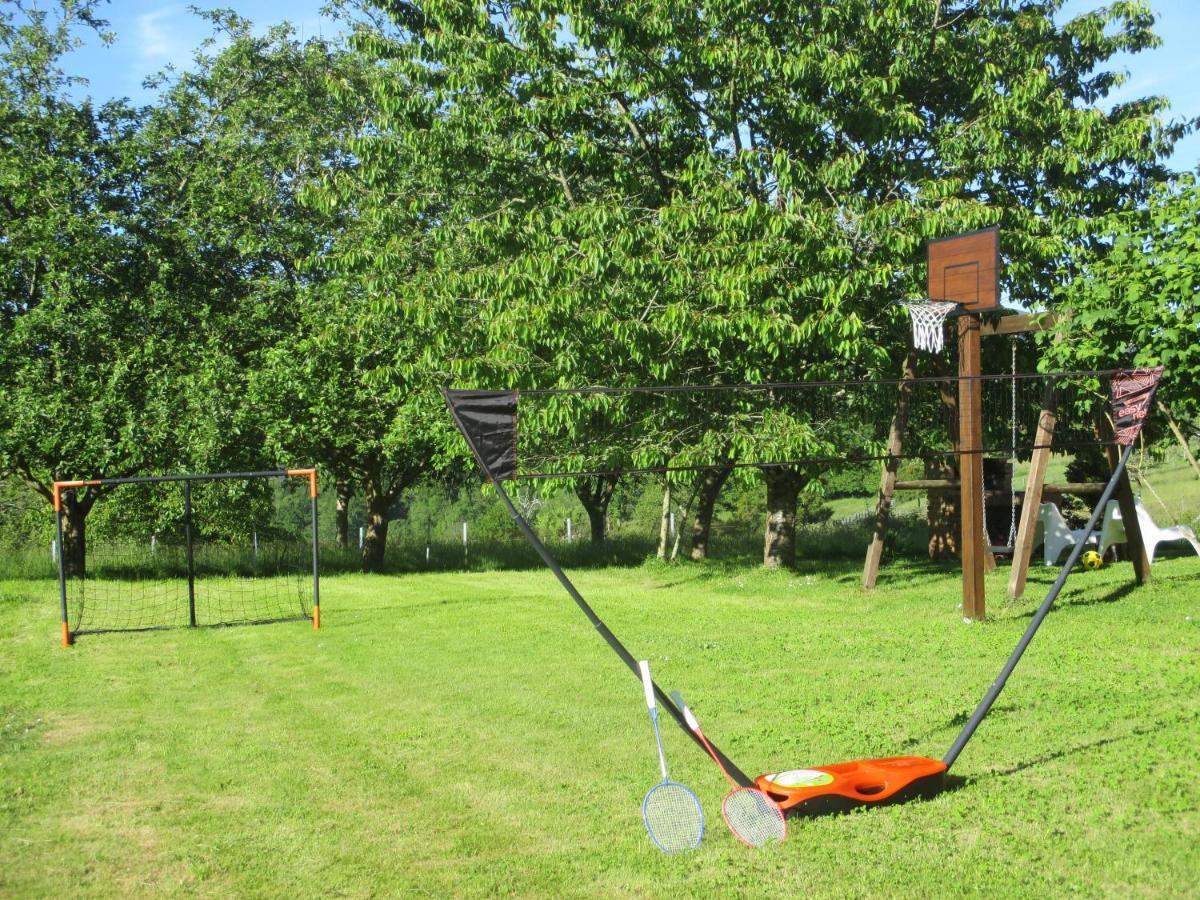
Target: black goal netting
(173, 553)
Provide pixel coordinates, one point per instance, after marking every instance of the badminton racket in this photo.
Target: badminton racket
(753, 817)
(673, 817)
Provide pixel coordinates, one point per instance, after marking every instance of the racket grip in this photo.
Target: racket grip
(687, 713)
(647, 684)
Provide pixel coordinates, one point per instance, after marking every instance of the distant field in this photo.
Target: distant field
(469, 734)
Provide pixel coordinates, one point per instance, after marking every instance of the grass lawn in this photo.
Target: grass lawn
(470, 734)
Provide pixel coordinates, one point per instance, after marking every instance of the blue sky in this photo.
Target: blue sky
(152, 34)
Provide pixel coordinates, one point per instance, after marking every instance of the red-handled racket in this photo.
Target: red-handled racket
(753, 817)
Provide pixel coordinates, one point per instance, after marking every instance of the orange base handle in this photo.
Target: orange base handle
(863, 782)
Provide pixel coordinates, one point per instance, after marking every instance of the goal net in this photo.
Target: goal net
(178, 551)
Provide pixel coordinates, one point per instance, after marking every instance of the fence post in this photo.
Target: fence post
(568, 529)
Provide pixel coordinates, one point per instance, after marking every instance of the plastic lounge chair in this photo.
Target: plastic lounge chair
(1113, 531)
(1054, 534)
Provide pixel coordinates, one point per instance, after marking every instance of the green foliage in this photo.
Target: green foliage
(281, 259)
(1138, 304)
(90, 358)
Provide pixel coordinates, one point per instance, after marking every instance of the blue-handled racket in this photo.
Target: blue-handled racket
(673, 817)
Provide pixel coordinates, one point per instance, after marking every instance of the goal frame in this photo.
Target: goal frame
(68, 638)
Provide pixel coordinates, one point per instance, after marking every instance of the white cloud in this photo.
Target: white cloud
(161, 37)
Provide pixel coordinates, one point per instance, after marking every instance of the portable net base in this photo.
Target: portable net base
(203, 550)
(488, 422)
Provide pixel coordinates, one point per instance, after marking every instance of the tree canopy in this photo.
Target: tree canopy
(283, 257)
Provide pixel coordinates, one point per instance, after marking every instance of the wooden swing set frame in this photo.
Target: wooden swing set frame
(965, 269)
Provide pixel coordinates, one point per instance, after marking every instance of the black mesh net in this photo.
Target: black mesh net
(615, 430)
(243, 554)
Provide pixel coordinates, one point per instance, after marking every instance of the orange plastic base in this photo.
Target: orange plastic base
(862, 782)
(316, 617)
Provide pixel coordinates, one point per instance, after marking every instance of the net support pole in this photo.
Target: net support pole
(191, 566)
(998, 685)
(552, 564)
(62, 572)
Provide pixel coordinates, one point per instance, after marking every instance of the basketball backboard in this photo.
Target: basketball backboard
(965, 268)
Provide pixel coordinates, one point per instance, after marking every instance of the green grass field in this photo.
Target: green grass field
(470, 734)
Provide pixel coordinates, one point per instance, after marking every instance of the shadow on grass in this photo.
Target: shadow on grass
(1117, 593)
(1062, 753)
(957, 721)
(350, 613)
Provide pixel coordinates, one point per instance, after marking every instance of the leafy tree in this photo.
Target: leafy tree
(697, 192)
(352, 383)
(1139, 304)
(88, 355)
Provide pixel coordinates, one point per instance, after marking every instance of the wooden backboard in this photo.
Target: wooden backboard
(965, 268)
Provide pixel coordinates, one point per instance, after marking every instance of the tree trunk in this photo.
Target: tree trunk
(783, 487)
(941, 512)
(711, 482)
(664, 525)
(595, 494)
(379, 503)
(341, 515)
(74, 535)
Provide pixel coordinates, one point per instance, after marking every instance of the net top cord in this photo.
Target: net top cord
(613, 431)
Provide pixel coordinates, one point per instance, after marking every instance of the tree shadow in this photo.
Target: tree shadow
(1051, 756)
(1118, 593)
(338, 614)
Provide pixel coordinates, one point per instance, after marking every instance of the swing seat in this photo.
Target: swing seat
(842, 787)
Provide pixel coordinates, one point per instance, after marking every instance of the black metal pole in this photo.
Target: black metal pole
(998, 685)
(191, 568)
(316, 556)
(62, 573)
(609, 638)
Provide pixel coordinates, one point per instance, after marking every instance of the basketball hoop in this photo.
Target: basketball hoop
(927, 319)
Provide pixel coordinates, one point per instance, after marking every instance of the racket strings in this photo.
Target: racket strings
(753, 817)
(673, 817)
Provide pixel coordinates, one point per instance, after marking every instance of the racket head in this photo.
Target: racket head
(753, 817)
(673, 817)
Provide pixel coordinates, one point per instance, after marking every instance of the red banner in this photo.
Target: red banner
(1132, 392)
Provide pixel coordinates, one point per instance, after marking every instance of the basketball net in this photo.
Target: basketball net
(927, 319)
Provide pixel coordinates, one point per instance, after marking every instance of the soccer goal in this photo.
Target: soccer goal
(169, 551)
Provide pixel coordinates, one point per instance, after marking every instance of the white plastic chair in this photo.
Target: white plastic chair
(1113, 530)
(1054, 534)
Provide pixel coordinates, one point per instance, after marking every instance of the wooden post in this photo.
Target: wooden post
(1179, 436)
(1032, 501)
(970, 467)
(1134, 542)
(887, 482)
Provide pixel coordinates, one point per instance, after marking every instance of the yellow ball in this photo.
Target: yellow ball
(1092, 560)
